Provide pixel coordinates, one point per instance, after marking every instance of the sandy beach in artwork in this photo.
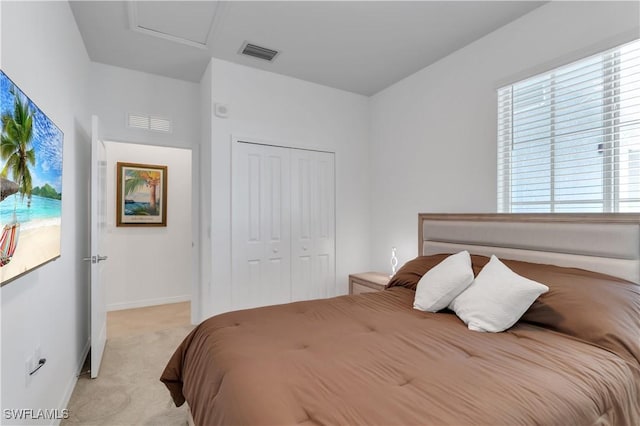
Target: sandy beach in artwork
(38, 242)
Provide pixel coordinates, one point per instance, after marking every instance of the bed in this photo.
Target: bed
(573, 358)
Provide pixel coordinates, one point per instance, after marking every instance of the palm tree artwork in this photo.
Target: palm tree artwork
(141, 195)
(137, 179)
(16, 145)
(16, 148)
(30, 183)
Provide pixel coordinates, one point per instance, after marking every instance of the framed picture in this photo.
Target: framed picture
(30, 184)
(142, 195)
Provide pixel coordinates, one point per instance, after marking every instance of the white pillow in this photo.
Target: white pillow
(442, 283)
(496, 299)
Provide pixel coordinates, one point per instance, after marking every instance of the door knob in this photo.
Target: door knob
(101, 258)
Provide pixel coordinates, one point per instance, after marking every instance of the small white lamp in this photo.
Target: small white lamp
(394, 261)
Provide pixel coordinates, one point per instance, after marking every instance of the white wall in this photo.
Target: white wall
(43, 53)
(150, 265)
(200, 306)
(114, 92)
(433, 134)
(289, 112)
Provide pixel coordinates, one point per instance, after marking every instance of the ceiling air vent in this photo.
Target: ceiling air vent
(258, 51)
(149, 122)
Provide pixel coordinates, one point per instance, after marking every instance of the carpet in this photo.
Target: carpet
(128, 390)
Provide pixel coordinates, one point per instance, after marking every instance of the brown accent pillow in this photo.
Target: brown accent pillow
(597, 308)
(478, 262)
(411, 272)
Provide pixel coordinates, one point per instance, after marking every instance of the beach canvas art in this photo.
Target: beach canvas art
(142, 195)
(31, 184)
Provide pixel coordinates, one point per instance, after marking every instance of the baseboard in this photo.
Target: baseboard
(72, 384)
(85, 353)
(148, 302)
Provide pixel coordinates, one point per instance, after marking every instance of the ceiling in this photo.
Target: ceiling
(360, 46)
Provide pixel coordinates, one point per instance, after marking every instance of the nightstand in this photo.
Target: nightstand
(367, 282)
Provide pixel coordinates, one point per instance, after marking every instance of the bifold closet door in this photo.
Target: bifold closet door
(261, 232)
(312, 225)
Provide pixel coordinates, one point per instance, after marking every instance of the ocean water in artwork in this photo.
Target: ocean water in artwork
(132, 208)
(42, 209)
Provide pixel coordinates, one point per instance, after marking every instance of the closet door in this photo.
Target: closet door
(312, 225)
(261, 235)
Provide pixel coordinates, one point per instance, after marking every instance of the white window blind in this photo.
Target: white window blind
(569, 139)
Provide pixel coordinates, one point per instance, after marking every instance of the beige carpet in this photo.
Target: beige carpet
(128, 390)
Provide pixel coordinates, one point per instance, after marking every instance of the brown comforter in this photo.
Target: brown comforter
(373, 360)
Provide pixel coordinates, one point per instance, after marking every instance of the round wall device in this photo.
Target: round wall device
(221, 110)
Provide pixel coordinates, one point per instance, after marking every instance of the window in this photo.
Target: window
(569, 139)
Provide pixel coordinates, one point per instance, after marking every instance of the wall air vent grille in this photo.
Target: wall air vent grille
(159, 124)
(149, 122)
(138, 121)
(258, 52)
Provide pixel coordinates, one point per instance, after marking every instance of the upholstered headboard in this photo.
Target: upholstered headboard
(605, 243)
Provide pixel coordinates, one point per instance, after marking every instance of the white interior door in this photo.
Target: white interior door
(261, 235)
(98, 251)
(312, 225)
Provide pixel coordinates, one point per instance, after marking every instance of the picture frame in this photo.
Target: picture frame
(141, 194)
(30, 184)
